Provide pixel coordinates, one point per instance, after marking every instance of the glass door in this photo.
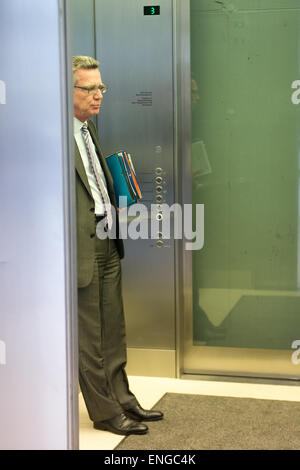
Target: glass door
(245, 141)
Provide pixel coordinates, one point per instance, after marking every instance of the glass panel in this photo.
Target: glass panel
(245, 167)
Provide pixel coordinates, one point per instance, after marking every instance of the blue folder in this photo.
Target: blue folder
(124, 177)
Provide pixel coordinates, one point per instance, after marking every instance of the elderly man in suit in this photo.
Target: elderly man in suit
(102, 339)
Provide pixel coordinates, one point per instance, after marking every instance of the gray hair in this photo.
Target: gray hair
(83, 62)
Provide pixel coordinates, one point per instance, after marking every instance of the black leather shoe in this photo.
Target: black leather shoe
(138, 413)
(122, 425)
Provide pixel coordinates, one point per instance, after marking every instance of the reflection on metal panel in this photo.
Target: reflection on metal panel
(82, 25)
(136, 61)
(159, 362)
(35, 358)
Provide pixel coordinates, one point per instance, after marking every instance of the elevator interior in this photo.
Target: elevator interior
(137, 115)
(202, 100)
(233, 307)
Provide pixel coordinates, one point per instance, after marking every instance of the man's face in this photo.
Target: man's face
(87, 104)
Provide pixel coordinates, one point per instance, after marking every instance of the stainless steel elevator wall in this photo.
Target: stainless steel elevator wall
(137, 115)
(136, 61)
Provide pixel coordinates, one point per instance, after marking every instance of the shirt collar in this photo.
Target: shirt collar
(78, 125)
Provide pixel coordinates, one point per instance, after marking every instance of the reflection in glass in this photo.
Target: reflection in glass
(245, 167)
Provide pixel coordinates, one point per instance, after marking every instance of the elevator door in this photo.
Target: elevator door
(245, 170)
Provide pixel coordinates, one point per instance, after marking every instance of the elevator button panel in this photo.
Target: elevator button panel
(160, 184)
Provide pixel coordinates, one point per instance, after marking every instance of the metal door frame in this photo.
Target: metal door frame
(38, 341)
(70, 225)
(182, 123)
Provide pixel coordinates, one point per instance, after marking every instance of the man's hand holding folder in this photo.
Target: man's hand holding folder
(124, 177)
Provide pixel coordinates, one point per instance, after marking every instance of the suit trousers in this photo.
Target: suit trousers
(102, 337)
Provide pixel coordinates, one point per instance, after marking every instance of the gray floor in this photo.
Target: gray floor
(194, 422)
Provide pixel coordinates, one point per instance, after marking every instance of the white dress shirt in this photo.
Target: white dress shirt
(99, 208)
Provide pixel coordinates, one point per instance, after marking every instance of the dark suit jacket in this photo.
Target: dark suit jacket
(85, 205)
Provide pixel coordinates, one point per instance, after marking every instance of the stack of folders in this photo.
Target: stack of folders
(125, 183)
